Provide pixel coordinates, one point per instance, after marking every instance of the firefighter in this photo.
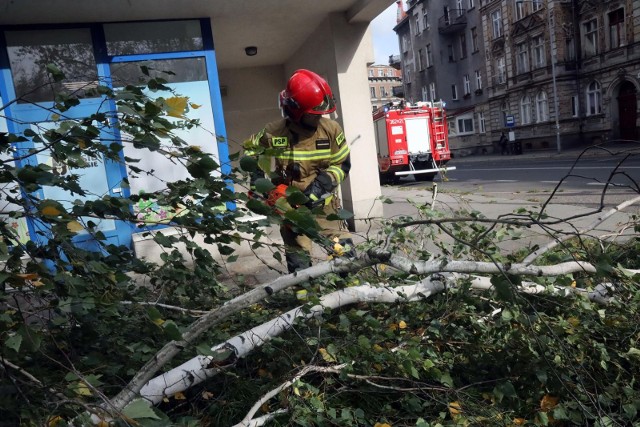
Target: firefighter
(310, 153)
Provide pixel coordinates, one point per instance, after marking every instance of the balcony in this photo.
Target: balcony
(395, 62)
(453, 22)
(398, 91)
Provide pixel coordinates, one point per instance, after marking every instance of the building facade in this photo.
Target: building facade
(443, 58)
(383, 83)
(558, 73)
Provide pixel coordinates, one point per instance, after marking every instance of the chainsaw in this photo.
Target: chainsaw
(278, 198)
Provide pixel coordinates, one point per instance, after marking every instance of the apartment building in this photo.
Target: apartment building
(555, 73)
(384, 81)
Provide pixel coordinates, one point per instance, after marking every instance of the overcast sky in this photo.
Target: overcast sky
(385, 40)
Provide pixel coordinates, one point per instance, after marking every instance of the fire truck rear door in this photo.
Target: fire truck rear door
(418, 138)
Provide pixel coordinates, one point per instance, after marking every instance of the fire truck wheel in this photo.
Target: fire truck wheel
(425, 177)
(389, 178)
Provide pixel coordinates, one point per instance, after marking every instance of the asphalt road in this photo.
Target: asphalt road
(585, 182)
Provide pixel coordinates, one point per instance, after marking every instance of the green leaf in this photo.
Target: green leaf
(502, 285)
(544, 418)
(445, 378)
(163, 240)
(634, 352)
(559, 413)
(204, 350)
(171, 330)
(14, 342)
(249, 164)
(296, 197)
(258, 207)
(344, 214)
(153, 313)
(264, 185)
(139, 409)
(221, 354)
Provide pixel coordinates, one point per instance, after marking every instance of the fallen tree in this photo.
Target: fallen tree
(400, 335)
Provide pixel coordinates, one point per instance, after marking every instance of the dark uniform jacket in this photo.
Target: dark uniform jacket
(298, 154)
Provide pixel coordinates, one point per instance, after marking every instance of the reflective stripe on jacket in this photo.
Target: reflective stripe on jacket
(299, 154)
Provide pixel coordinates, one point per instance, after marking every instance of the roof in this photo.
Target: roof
(276, 27)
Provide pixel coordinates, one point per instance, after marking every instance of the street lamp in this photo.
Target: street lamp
(552, 41)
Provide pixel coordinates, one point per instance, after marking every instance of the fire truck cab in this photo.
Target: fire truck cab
(411, 140)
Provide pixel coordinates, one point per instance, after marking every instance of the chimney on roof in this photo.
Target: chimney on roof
(401, 13)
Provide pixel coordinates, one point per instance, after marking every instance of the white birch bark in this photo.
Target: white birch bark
(201, 368)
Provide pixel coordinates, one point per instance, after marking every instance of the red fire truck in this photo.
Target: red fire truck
(411, 140)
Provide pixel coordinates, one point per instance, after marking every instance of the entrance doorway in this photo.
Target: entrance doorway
(628, 111)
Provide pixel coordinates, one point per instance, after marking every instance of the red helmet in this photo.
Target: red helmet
(306, 92)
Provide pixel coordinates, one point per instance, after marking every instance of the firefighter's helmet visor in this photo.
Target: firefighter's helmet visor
(327, 105)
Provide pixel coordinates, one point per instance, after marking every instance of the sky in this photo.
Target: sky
(385, 40)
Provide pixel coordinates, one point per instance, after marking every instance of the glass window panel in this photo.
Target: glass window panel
(31, 51)
(190, 80)
(132, 38)
(171, 70)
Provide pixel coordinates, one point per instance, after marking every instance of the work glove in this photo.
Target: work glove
(318, 190)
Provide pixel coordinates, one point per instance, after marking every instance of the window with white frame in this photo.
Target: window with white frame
(454, 92)
(459, 3)
(542, 107)
(389, 73)
(416, 25)
(574, 106)
(594, 101)
(373, 91)
(380, 73)
(496, 22)
(425, 19)
(482, 125)
(383, 92)
(525, 110)
(370, 73)
(539, 56)
(522, 57)
(474, 39)
(501, 70)
(467, 84)
(451, 52)
(478, 80)
(471, 4)
(463, 46)
(429, 56)
(421, 60)
(536, 5)
(519, 9)
(616, 28)
(407, 74)
(590, 41)
(424, 93)
(432, 92)
(465, 124)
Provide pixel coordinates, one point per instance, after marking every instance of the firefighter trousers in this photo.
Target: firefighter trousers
(298, 246)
